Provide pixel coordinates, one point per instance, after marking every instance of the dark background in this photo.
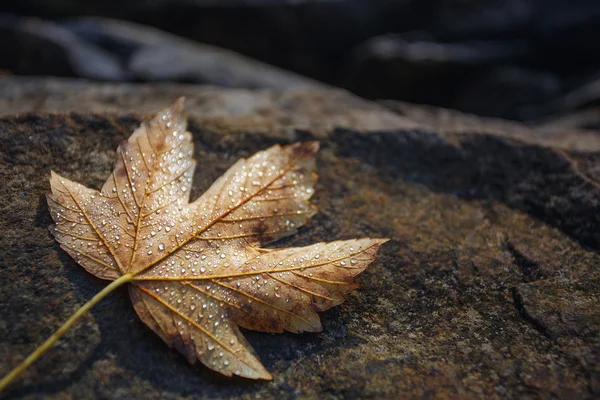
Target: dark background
(531, 60)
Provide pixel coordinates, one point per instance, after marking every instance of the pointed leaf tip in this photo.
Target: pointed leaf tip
(178, 105)
(267, 376)
(305, 149)
(313, 146)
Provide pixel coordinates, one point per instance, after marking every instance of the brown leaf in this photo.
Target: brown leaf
(198, 271)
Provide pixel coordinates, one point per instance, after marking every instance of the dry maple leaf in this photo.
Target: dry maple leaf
(196, 271)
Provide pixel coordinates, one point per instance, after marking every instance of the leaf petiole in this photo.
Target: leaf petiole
(6, 380)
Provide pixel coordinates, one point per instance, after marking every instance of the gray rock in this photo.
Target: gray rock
(424, 70)
(484, 291)
(32, 46)
(562, 310)
(149, 54)
(112, 50)
(541, 50)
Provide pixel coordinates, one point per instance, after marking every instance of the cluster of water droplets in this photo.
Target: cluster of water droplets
(200, 319)
(82, 218)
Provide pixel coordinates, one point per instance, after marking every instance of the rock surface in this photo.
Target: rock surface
(489, 287)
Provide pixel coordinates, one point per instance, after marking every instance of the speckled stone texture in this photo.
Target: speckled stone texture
(489, 287)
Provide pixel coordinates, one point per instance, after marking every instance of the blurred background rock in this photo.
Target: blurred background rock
(530, 60)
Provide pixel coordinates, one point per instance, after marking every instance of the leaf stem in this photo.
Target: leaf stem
(4, 382)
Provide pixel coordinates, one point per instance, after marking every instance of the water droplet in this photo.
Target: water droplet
(161, 247)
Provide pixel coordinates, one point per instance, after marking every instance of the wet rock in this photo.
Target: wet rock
(487, 289)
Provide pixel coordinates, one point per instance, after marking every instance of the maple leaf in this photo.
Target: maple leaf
(196, 271)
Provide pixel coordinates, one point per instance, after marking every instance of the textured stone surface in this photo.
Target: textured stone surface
(274, 112)
(489, 287)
